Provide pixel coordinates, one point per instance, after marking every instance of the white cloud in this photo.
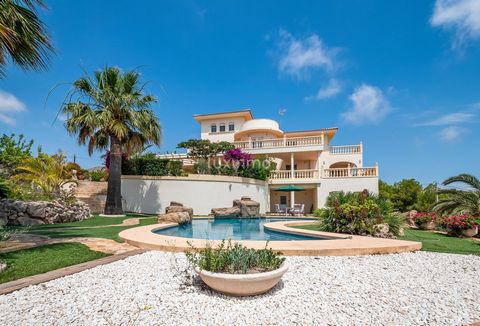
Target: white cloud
(369, 105)
(299, 56)
(452, 133)
(460, 16)
(448, 119)
(9, 106)
(330, 90)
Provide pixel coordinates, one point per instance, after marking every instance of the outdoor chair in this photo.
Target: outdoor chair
(298, 209)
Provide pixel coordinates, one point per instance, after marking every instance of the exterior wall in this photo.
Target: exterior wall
(220, 136)
(327, 159)
(345, 184)
(258, 136)
(143, 194)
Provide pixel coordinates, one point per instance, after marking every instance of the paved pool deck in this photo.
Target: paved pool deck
(330, 244)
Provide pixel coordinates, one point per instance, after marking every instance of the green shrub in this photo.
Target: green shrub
(99, 175)
(395, 222)
(174, 168)
(354, 213)
(234, 259)
(149, 164)
(5, 191)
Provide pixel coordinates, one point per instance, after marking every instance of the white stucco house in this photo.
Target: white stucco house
(307, 159)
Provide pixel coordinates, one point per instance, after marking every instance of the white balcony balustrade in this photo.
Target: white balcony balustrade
(348, 149)
(281, 142)
(298, 174)
(353, 172)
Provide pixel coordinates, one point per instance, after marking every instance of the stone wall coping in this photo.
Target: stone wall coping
(199, 177)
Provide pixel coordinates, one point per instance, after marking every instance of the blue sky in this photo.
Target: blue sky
(401, 76)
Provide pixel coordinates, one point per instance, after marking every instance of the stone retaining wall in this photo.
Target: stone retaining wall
(16, 212)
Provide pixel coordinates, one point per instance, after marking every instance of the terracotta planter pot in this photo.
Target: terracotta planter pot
(470, 232)
(243, 284)
(427, 226)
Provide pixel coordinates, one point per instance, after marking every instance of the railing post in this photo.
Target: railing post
(322, 138)
(361, 147)
(349, 170)
(249, 142)
(284, 141)
(376, 169)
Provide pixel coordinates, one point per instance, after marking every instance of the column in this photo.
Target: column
(292, 165)
(292, 171)
(319, 164)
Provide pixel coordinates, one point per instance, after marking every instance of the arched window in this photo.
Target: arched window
(213, 128)
(231, 126)
(222, 127)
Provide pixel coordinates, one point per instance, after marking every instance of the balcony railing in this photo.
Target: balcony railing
(350, 172)
(348, 149)
(326, 173)
(298, 174)
(280, 142)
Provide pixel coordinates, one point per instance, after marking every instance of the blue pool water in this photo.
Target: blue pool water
(231, 228)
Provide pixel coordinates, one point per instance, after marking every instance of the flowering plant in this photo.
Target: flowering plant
(461, 222)
(422, 217)
(237, 157)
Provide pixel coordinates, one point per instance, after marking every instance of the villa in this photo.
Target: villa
(306, 159)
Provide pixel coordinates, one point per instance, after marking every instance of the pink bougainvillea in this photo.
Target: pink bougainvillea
(237, 157)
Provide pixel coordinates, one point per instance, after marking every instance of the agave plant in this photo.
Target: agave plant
(44, 172)
(458, 201)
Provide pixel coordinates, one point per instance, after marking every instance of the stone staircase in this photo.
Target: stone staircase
(93, 194)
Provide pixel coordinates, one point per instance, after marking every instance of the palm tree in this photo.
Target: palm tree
(23, 37)
(44, 172)
(460, 200)
(110, 112)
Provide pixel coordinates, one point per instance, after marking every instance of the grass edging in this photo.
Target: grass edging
(12, 286)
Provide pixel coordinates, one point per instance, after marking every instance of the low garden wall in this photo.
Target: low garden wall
(16, 212)
(152, 194)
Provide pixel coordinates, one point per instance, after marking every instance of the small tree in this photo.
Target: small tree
(204, 148)
(13, 151)
(45, 173)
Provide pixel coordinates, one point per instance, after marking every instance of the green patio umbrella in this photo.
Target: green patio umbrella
(291, 189)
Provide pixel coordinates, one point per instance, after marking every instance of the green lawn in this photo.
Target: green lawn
(65, 230)
(431, 241)
(443, 243)
(32, 261)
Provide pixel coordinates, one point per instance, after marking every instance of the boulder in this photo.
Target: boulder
(226, 212)
(176, 217)
(381, 230)
(37, 208)
(410, 217)
(176, 207)
(248, 207)
(25, 220)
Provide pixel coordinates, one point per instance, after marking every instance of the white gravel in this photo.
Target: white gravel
(403, 289)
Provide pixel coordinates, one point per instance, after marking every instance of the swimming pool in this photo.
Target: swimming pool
(231, 228)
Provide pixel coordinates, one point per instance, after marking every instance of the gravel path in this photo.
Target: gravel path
(403, 289)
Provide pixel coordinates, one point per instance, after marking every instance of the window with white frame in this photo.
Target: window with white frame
(231, 126)
(222, 127)
(213, 127)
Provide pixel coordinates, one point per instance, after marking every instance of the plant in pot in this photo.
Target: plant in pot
(465, 225)
(425, 221)
(236, 270)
